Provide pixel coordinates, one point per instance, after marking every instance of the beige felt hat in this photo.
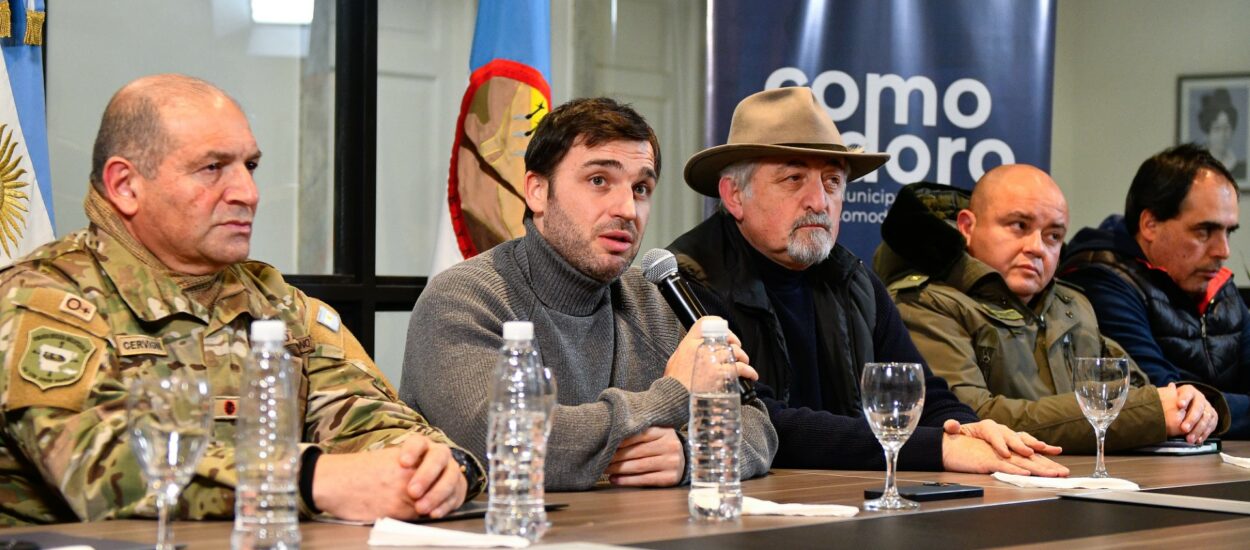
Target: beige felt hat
(779, 122)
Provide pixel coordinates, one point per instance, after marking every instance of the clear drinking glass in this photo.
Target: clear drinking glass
(893, 396)
(170, 424)
(1101, 385)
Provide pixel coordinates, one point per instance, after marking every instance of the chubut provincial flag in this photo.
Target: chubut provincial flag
(508, 93)
(25, 187)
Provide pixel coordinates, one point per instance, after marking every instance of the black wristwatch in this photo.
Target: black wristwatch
(468, 467)
(307, 466)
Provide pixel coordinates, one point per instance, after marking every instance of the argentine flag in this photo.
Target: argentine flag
(25, 187)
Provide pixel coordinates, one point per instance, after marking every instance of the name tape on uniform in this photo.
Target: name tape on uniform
(299, 346)
(138, 344)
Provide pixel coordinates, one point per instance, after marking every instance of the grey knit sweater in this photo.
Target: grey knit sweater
(606, 344)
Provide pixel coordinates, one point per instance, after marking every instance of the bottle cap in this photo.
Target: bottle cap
(268, 330)
(715, 328)
(518, 330)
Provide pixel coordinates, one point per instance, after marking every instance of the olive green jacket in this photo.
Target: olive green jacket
(1013, 363)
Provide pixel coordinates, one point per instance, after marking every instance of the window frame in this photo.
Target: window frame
(355, 289)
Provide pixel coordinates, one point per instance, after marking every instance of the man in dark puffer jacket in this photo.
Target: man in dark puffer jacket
(1157, 281)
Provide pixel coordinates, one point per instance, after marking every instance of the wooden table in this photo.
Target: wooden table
(630, 516)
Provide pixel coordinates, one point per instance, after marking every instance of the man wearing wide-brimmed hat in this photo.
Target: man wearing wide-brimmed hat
(809, 313)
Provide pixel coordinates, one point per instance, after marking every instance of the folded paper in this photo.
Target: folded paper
(1067, 482)
(392, 532)
(1235, 460)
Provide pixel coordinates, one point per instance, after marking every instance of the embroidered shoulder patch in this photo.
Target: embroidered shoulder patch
(54, 358)
(328, 318)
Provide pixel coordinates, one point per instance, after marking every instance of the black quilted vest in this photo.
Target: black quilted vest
(1205, 347)
(718, 263)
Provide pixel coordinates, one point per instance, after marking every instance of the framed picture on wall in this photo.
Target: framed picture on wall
(1212, 111)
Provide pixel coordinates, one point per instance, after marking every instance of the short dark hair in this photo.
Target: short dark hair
(133, 128)
(1163, 181)
(1214, 103)
(590, 122)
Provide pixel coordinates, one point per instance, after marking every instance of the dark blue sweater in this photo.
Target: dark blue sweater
(819, 439)
(831, 432)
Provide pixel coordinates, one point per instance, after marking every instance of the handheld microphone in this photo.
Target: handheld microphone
(660, 267)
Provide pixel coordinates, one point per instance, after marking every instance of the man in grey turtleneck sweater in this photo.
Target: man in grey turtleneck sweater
(614, 346)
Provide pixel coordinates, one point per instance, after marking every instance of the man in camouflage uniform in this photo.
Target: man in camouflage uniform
(973, 275)
(159, 282)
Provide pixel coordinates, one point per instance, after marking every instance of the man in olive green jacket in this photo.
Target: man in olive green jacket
(984, 308)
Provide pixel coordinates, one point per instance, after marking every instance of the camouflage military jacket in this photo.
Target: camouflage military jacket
(81, 316)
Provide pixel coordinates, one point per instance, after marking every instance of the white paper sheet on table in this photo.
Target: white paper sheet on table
(1235, 460)
(392, 532)
(1067, 482)
(758, 507)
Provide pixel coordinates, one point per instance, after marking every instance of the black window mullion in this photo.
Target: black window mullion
(355, 289)
(355, 144)
(355, 139)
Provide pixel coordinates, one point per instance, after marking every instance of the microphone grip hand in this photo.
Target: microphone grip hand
(748, 390)
(688, 309)
(681, 299)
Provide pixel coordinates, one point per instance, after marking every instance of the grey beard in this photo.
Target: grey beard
(810, 251)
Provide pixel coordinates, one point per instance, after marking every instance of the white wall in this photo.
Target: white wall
(423, 67)
(646, 53)
(96, 47)
(1116, 65)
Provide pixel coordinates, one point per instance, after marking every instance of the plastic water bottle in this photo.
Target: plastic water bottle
(266, 512)
(715, 428)
(522, 399)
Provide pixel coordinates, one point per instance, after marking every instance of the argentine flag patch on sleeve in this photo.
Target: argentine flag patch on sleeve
(328, 318)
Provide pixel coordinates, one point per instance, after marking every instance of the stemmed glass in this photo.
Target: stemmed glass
(1101, 385)
(893, 396)
(170, 424)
